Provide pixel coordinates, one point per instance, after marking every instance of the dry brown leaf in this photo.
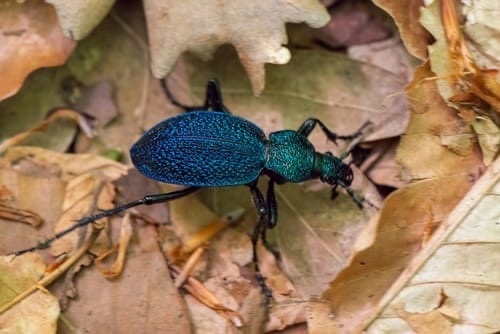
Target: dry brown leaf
(437, 141)
(88, 186)
(19, 215)
(400, 235)
(455, 278)
(141, 300)
(84, 195)
(38, 312)
(255, 29)
(406, 15)
(26, 189)
(69, 165)
(30, 38)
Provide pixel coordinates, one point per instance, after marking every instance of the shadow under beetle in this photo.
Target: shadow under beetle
(208, 147)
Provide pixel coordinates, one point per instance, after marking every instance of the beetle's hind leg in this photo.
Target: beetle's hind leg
(259, 231)
(213, 98)
(272, 208)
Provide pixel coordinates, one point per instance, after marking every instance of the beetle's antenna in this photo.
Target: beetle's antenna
(146, 200)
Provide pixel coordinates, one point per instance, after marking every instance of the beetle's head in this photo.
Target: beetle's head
(335, 172)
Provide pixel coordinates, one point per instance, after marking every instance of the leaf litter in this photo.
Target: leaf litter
(444, 135)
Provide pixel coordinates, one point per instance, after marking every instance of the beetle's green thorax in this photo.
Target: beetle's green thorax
(290, 155)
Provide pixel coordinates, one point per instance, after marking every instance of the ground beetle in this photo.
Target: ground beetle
(209, 147)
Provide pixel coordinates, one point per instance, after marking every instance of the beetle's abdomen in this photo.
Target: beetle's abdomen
(291, 156)
(202, 148)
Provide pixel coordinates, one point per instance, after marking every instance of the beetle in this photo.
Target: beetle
(207, 146)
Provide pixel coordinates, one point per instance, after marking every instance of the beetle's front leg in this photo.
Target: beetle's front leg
(306, 128)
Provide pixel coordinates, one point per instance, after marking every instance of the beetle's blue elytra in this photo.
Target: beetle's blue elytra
(202, 149)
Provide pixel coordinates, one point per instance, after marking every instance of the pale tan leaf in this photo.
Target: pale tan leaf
(406, 221)
(25, 189)
(84, 195)
(437, 141)
(483, 29)
(37, 313)
(78, 18)
(70, 165)
(456, 274)
(488, 134)
(88, 186)
(256, 29)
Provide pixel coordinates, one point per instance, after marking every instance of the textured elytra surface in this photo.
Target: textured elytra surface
(201, 148)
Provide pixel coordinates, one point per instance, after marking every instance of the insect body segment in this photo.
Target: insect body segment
(203, 149)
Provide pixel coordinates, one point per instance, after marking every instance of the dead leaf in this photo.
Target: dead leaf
(88, 187)
(381, 166)
(388, 54)
(401, 231)
(31, 38)
(69, 165)
(437, 142)
(26, 190)
(142, 299)
(19, 215)
(481, 28)
(460, 261)
(488, 135)
(351, 23)
(38, 312)
(37, 136)
(116, 268)
(255, 29)
(406, 15)
(78, 18)
(461, 81)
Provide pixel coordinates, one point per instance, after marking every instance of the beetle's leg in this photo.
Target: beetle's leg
(213, 98)
(260, 205)
(172, 99)
(307, 127)
(146, 200)
(272, 207)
